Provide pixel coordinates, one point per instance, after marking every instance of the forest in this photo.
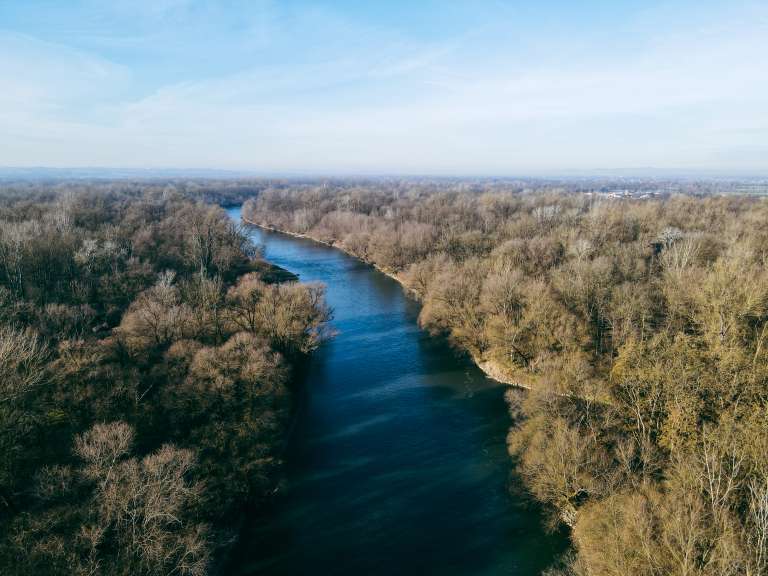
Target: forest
(638, 327)
(146, 360)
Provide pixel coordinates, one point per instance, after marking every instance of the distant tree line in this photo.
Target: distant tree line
(640, 328)
(144, 378)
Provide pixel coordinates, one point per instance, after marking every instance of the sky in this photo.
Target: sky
(503, 88)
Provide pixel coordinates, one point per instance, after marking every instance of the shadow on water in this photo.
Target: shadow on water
(397, 463)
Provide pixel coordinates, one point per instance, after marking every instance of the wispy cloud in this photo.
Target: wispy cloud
(314, 88)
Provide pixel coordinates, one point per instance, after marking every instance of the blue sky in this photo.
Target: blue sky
(350, 87)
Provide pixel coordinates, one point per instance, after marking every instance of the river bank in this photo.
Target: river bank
(398, 462)
(491, 369)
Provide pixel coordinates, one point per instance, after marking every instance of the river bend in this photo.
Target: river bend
(397, 464)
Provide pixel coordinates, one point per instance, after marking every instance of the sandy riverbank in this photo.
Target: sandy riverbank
(489, 368)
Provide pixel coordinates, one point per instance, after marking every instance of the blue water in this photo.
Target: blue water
(397, 464)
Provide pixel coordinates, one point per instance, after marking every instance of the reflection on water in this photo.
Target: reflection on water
(397, 464)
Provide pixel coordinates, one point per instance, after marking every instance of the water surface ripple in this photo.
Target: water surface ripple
(397, 464)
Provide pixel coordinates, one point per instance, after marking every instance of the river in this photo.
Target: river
(397, 464)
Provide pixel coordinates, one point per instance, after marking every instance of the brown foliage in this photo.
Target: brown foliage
(136, 417)
(641, 327)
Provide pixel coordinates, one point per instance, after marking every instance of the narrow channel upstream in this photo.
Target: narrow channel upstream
(398, 462)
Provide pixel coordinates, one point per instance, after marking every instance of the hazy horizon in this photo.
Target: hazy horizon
(497, 89)
(162, 172)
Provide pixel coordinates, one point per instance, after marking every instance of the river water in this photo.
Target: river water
(397, 464)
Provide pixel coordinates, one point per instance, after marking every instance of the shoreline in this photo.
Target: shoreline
(394, 277)
(487, 367)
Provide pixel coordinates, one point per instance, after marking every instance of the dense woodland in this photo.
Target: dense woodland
(145, 360)
(640, 328)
